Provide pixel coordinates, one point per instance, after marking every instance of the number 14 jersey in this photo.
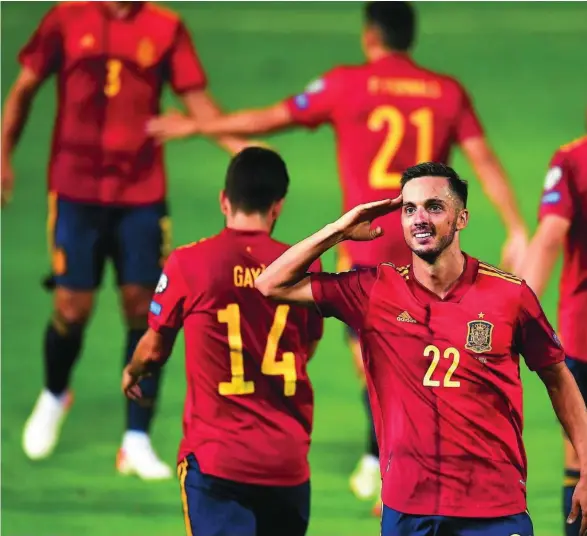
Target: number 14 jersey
(249, 403)
(387, 116)
(444, 377)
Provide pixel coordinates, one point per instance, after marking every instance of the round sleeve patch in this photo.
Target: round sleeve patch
(162, 284)
(553, 177)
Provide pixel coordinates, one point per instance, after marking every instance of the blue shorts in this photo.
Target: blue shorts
(394, 523)
(579, 371)
(215, 506)
(83, 237)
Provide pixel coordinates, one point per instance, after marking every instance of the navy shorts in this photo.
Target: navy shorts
(83, 237)
(394, 523)
(579, 371)
(215, 506)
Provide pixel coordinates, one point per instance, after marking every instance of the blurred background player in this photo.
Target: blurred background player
(388, 114)
(243, 460)
(106, 185)
(442, 342)
(563, 223)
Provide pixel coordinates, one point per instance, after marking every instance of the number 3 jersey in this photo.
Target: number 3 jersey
(387, 116)
(249, 403)
(444, 378)
(110, 74)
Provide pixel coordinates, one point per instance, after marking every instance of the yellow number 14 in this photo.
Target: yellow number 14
(285, 367)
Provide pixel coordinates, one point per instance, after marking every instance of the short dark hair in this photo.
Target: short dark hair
(256, 178)
(459, 186)
(395, 20)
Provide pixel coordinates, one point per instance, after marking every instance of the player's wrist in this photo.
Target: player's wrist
(334, 233)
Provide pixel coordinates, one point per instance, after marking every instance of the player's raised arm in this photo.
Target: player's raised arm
(287, 279)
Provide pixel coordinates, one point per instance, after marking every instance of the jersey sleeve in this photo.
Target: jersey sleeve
(44, 51)
(166, 311)
(468, 123)
(556, 197)
(536, 340)
(344, 295)
(315, 320)
(316, 104)
(185, 69)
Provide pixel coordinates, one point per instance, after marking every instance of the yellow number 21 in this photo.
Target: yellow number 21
(434, 351)
(285, 367)
(113, 70)
(387, 116)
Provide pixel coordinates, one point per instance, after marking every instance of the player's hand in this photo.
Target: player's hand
(172, 125)
(513, 253)
(130, 385)
(356, 223)
(579, 505)
(7, 181)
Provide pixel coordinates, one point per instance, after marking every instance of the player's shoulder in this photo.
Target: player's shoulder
(446, 79)
(389, 269)
(198, 247)
(68, 10)
(497, 276)
(574, 148)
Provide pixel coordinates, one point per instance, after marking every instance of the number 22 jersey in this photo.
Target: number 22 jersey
(387, 116)
(444, 375)
(249, 404)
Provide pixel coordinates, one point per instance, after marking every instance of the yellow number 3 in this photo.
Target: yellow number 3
(433, 351)
(286, 367)
(113, 70)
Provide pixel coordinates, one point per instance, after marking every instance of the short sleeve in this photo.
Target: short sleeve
(315, 320)
(166, 311)
(317, 103)
(556, 196)
(44, 51)
(536, 340)
(468, 124)
(344, 295)
(185, 69)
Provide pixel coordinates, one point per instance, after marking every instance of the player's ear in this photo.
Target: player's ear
(462, 219)
(224, 203)
(276, 208)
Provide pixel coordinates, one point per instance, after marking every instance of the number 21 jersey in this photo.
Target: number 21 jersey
(387, 116)
(249, 403)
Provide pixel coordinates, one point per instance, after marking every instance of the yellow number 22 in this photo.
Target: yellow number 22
(380, 177)
(434, 351)
(113, 70)
(286, 367)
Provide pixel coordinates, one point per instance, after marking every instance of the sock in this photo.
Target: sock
(140, 414)
(63, 344)
(372, 446)
(571, 479)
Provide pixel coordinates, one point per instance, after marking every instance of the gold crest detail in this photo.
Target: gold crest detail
(87, 41)
(145, 52)
(479, 334)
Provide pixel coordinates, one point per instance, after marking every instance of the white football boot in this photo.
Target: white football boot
(365, 482)
(137, 457)
(42, 429)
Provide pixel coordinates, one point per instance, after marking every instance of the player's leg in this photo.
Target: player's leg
(213, 506)
(394, 523)
(572, 472)
(283, 510)
(140, 245)
(520, 524)
(74, 241)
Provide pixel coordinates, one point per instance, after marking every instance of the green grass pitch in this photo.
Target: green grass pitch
(522, 63)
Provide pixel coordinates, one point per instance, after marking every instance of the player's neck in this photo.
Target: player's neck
(377, 53)
(440, 276)
(249, 222)
(119, 9)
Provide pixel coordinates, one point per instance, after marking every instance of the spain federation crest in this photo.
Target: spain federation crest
(479, 334)
(145, 52)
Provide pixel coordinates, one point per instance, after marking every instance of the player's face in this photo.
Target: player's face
(431, 216)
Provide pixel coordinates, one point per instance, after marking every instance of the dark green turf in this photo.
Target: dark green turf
(525, 66)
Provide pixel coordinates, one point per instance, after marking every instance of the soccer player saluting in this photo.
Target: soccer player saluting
(243, 464)
(106, 184)
(563, 221)
(388, 114)
(442, 340)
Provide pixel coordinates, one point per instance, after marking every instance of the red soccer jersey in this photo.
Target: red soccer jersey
(387, 116)
(565, 195)
(110, 75)
(249, 404)
(445, 374)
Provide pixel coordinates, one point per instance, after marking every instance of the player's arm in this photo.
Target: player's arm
(287, 279)
(166, 315)
(555, 215)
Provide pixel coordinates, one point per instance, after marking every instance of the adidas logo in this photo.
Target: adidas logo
(405, 317)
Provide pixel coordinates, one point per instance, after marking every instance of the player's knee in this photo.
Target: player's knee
(571, 458)
(135, 303)
(72, 308)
